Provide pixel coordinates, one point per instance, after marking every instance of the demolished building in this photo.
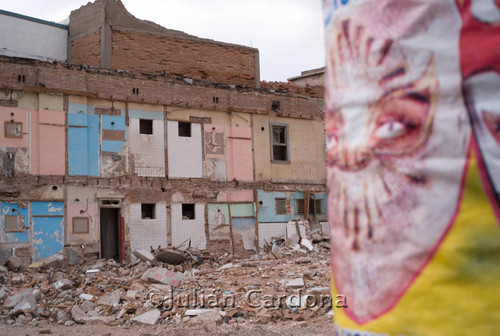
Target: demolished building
(119, 134)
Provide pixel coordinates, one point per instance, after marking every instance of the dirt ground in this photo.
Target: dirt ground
(319, 327)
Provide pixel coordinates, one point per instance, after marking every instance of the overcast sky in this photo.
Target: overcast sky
(288, 33)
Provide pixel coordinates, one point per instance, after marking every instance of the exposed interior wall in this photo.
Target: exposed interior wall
(83, 140)
(188, 229)
(47, 142)
(239, 153)
(184, 153)
(14, 156)
(144, 233)
(81, 203)
(148, 150)
(32, 38)
(306, 148)
(215, 152)
(269, 230)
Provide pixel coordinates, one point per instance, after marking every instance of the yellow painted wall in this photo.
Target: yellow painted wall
(42, 101)
(307, 151)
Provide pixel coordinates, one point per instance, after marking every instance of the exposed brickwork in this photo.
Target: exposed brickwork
(156, 89)
(214, 62)
(86, 50)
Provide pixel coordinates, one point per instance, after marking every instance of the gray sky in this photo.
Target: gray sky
(288, 33)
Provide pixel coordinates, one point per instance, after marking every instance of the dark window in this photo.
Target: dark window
(279, 144)
(184, 129)
(280, 206)
(275, 106)
(188, 211)
(300, 206)
(145, 126)
(148, 211)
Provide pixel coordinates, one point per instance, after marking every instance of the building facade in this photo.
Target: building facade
(125, 135)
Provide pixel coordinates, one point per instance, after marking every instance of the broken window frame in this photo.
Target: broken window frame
(285, 143)
(74, 231)
(277, 208)
(301, 205)
(141, 121)
(20, 133)
(152, 211)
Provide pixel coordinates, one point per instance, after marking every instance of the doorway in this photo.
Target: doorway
(110, 233)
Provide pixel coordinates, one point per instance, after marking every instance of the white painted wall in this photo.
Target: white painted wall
(147, 232)
(25, 38)
(148, 150)
(184, 153)
(185, 229)
(269, 230)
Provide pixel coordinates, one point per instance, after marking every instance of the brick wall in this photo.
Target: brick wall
(215, 62)
(154, 89)
(86, 50)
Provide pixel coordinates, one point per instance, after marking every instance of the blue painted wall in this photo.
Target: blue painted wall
(47, 220)
(116, 123)
(267, 211)
(84, 129)
(13, 209)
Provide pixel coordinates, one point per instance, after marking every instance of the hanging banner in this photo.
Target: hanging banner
(413, 153)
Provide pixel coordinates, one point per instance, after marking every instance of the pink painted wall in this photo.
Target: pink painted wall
(20, 115)
(74, 209)
(235, 196)
(239, 153)
(47, 142)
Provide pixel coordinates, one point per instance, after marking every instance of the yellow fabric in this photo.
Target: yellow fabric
(458, 293)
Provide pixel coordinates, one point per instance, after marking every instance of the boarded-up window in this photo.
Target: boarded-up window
(148, 211)
(280, 206)
(300, 206)
(184, 129)
(279, 142)
(80, 225)
(187, 211)
(145, 126)
(13, 129)
(14, 223)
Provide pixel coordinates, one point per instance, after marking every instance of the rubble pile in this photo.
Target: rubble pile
(289, 280)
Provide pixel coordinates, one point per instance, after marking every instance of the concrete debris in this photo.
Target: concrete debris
(55, 261)
(145, 256)
(110, 299)
(150, 317)
(74, 257)
(295, 283)
(63, 284)
(4, 256)
(163, 275)
(171, 257)
(306, 243)
(14, 263)
(206, 289)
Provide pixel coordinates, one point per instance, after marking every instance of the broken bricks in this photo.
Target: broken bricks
(163, 275)
(104, 292)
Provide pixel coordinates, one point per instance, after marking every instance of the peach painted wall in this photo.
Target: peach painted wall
(20, 115)
(47, 142)
(235, 196)
(74, 209)
(239, 153)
